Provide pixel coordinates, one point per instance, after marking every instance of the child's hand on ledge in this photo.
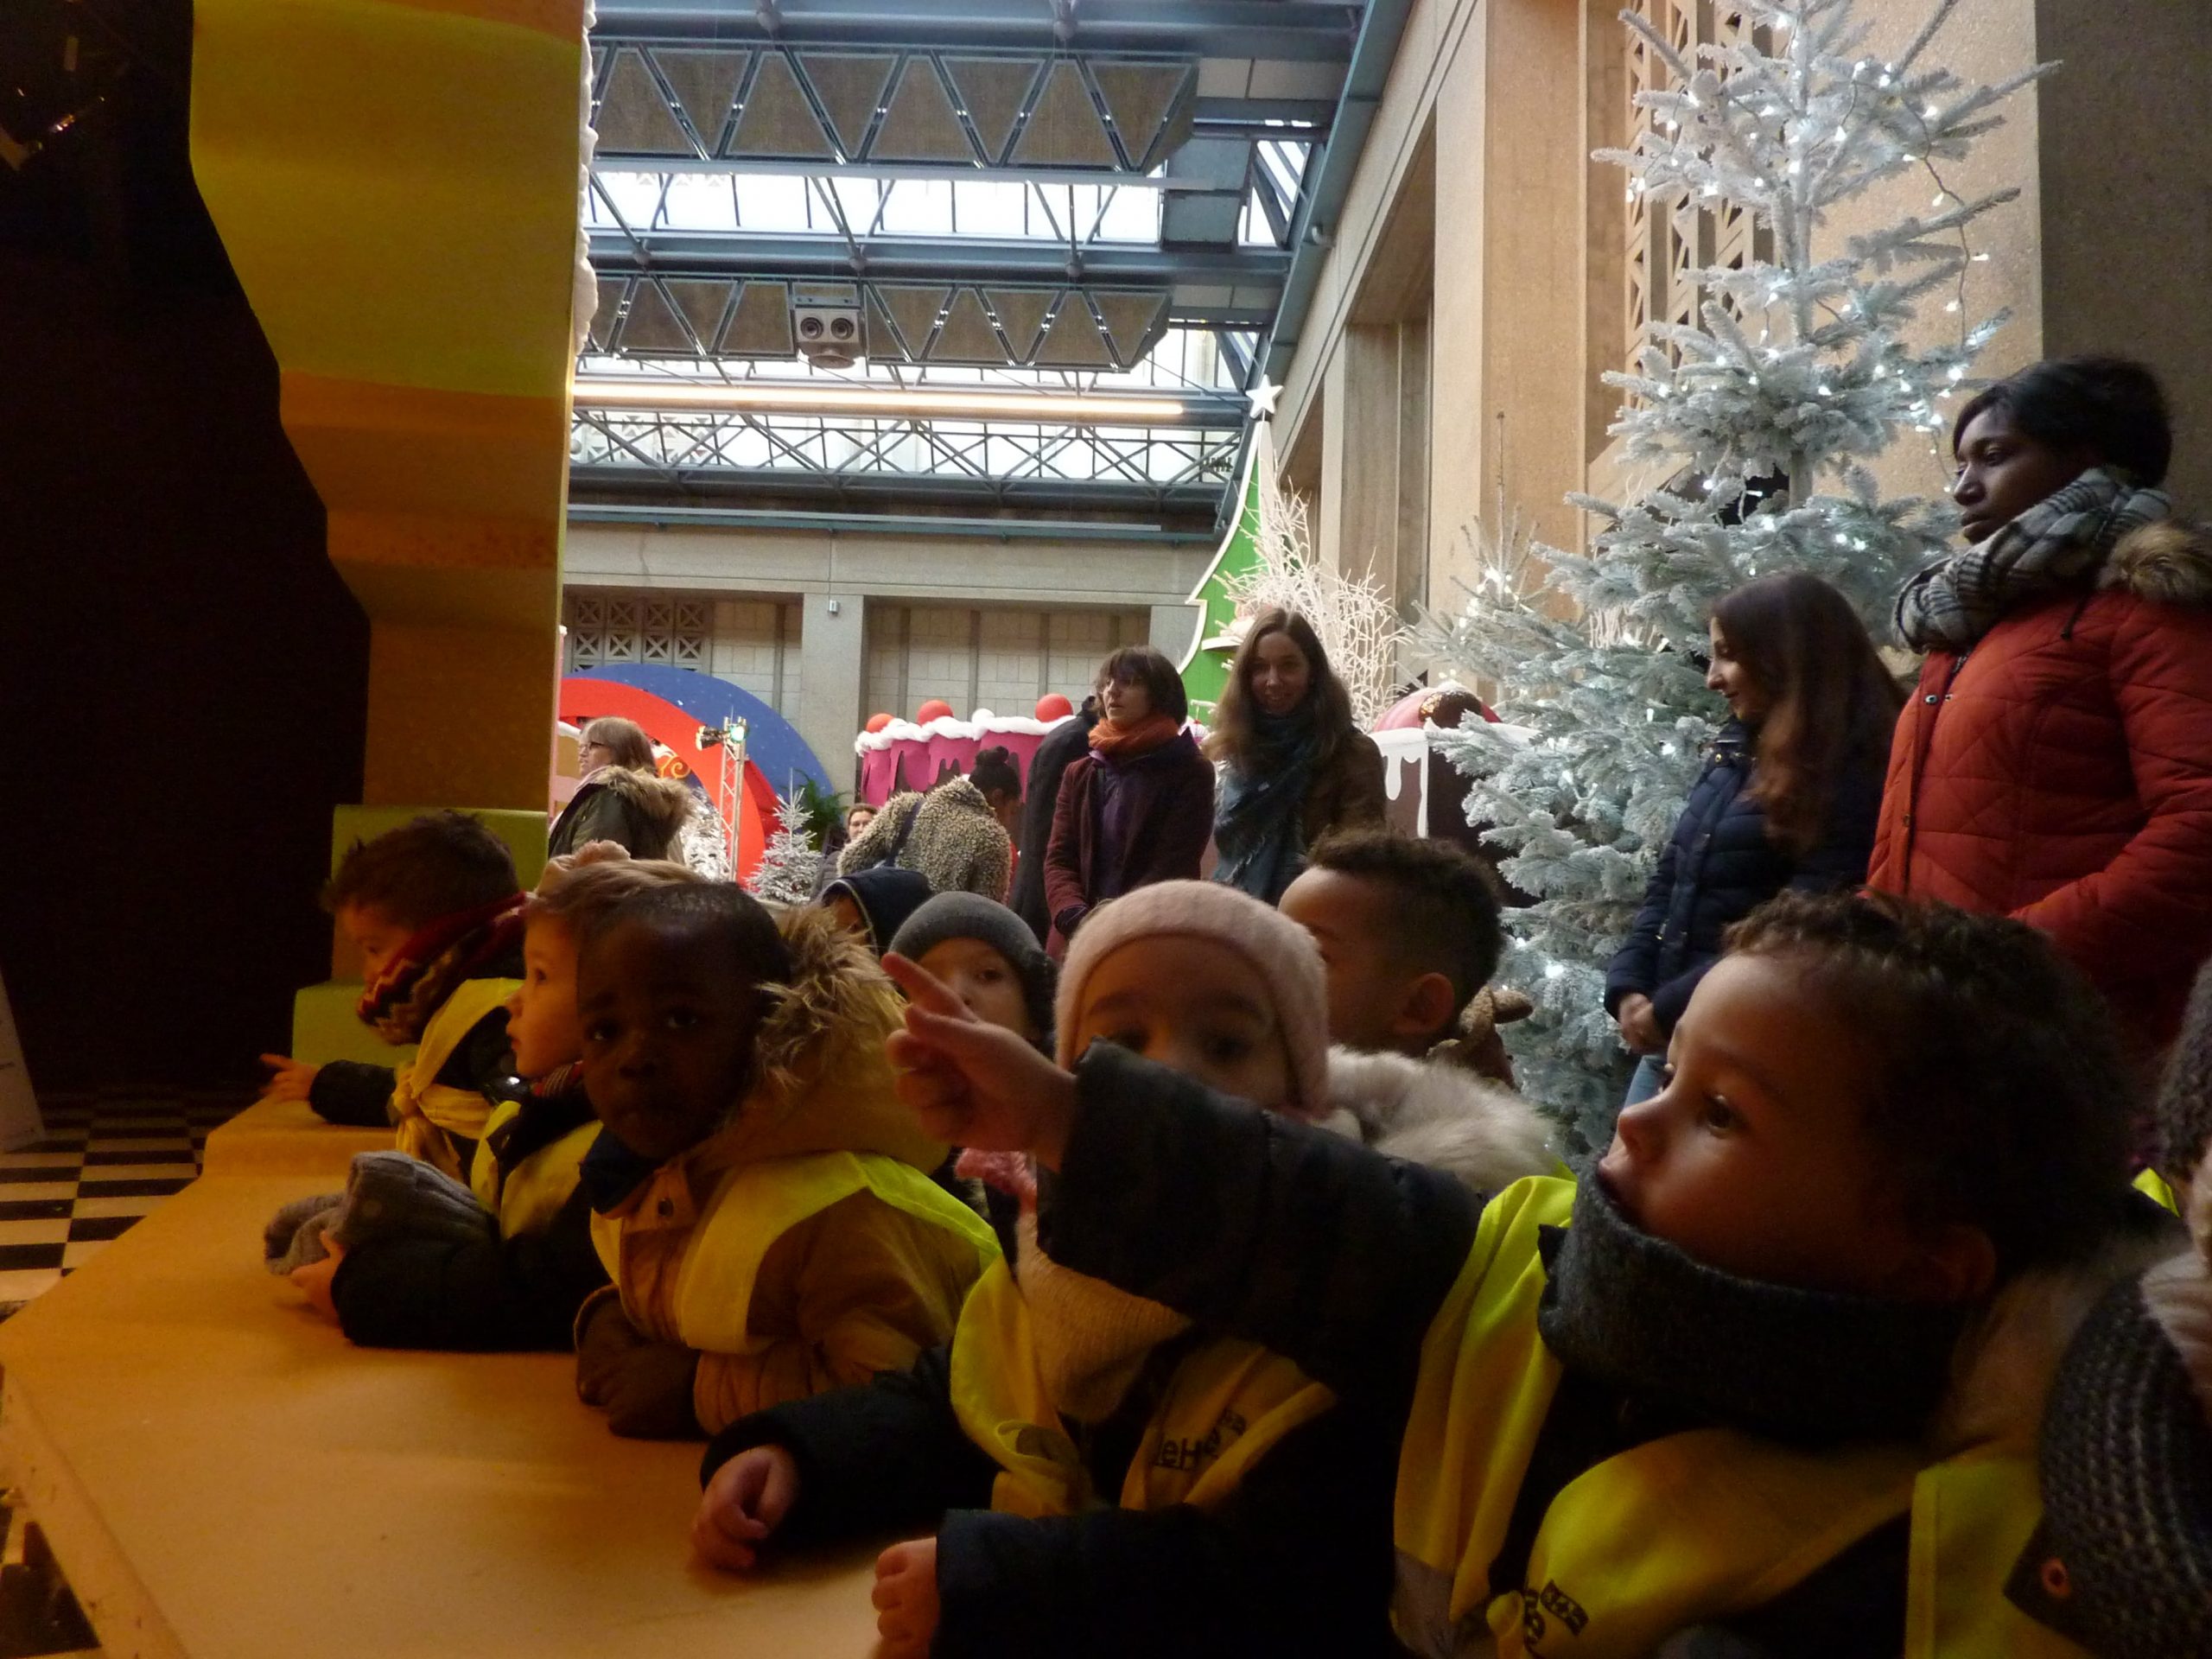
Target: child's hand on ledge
(971, 1084)
(314, 1279)
(289, 1079)
(905, 1599)
(743, 1505)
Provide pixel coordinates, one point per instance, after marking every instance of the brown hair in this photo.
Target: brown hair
(1150, 668)
(1831, 704)
(582, 894)
(433, 866)
(1327, 703)
(633, 750)
(2000, 1095)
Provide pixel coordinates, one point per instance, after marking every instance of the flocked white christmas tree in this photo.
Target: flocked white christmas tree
(1760, 421)
(1352, 616)
(790, 864)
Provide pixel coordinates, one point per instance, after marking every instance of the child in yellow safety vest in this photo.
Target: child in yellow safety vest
(436, 912)
(1764, 1382)
(1102, 1479)
(516, 1279)
(760, 1201)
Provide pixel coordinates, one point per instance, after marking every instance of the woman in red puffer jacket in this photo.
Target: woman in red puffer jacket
(2054, 762)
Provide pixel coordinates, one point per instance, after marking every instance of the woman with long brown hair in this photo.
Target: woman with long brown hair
(1788, 799)
(1293, 766)
(624, 800)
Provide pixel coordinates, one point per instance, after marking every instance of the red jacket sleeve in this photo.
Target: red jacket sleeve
(1063, 854)
(2146, 918)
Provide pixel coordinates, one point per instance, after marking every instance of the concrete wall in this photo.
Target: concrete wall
(847, 608)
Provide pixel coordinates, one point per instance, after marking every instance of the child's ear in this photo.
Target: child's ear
(1955, 1263)
(1428, 1005)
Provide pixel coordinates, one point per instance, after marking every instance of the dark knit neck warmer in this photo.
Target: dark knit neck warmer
(1634, 1312)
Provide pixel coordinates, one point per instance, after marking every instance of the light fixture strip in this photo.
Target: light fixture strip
(756, 396)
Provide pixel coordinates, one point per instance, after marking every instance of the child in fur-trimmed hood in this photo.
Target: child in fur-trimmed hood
(760, 1202)
(1100, 1478)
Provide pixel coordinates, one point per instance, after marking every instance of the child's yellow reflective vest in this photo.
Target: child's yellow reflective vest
(534, 1190)
(1226, 1405)
(1679, 1531)
(755, 1205)
(430, 1113)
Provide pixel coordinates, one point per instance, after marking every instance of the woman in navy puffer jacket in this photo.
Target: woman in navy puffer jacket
(1788, 797)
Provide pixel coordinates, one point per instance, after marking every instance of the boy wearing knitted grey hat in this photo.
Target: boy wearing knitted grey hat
(988, 958)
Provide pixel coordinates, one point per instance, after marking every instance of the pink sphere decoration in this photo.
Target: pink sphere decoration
(1054, 706)
(935, 709)
(877, 722)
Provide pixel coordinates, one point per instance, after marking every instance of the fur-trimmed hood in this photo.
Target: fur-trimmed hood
(663, 804)
(1440, 1116)
(2005, 1364)
(821, 1082)
(2168, 563)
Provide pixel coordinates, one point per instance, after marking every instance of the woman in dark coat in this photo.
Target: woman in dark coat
(1137, 808)
(1788, 799)
(1293, 764)
(623, 799)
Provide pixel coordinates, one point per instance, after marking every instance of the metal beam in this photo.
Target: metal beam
(1196, 498)
(882, 524)
(926, 259)
(1301, 29)
(1327, 181)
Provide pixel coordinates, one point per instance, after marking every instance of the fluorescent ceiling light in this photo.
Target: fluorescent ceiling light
(980, 404)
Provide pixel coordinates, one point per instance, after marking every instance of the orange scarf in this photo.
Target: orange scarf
(1116, 742)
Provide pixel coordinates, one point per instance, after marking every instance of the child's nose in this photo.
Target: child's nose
(1640, 1128)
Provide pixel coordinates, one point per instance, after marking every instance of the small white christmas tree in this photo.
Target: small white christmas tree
(1352, 616)
(1802, 371)
(790, 864)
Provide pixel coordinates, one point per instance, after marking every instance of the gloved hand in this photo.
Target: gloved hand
(644, 1386)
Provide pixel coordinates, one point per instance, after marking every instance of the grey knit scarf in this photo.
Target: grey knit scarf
(2058, 545)
(1634, 1312)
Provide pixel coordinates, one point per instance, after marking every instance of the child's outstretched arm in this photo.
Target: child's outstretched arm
(886, 1457)
(1331, 1255)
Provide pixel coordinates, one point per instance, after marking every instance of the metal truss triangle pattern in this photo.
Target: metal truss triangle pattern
(914, 312)
(1073, 341)
(1145, 100)
(967, 335)
(633, 115)
(851, 87)
(1063, 128)
(994, 91)
(1132, 322)
(761, 324)
(654, 325)
(701, 301)
(920, 124)
(705, 84)
(778, 121)
(1021, 314)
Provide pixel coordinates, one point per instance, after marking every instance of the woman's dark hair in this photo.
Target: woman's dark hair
(996, 771)
(1999, 1098)
(2112, 406)
(1149, 668)
(1327, 704)
(1831, 704)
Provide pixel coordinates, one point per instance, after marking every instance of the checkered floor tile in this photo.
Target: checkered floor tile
(106, 1161)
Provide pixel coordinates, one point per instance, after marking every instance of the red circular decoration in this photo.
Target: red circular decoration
(1054, 706)
(935, 709)
(877, 722)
